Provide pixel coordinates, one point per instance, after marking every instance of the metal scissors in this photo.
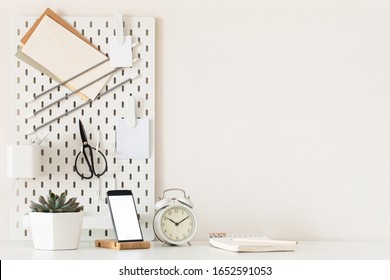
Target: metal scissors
(86, 157)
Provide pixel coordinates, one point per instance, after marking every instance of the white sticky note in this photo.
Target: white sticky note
(121, 55)
(132, 142)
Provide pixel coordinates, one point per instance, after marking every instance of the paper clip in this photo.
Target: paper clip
(41, 138)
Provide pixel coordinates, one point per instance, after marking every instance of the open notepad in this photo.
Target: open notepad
(249, 243)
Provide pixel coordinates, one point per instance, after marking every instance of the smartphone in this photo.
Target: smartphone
(124, 216)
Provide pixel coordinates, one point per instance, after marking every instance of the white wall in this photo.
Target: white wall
(273, 115)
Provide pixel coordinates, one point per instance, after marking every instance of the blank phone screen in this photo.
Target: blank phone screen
(124, 217)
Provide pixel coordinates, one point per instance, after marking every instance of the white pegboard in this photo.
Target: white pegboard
(63, 141)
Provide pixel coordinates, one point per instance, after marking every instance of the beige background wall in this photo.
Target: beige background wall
(273, 115)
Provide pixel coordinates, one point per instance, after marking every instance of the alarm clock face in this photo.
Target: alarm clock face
(178, 224)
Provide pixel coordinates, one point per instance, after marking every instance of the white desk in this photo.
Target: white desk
(201, 250)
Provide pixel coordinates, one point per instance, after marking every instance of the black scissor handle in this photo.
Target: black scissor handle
(90, 162)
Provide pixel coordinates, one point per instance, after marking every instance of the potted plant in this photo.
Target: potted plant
(56, 222)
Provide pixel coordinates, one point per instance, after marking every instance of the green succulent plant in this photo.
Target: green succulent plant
(56, 204)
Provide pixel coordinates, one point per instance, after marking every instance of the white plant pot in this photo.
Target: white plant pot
(56, 231)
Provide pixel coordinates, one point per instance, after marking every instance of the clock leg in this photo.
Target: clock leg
(189, 243)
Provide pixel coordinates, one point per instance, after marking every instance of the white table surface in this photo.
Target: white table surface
(201, 250)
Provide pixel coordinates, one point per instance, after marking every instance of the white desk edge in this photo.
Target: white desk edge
(201, 250)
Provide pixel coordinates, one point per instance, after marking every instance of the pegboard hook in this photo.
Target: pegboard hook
(119, 28)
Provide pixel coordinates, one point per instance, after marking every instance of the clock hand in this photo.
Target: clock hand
(176, 224)
(183, 220)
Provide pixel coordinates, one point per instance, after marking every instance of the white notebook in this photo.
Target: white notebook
(250, 242)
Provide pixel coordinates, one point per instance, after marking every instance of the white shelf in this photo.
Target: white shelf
(201, 250)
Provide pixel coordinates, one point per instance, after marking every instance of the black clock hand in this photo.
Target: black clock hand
(183, 220)
(176, 224)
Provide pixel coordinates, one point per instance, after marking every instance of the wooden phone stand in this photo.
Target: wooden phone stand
(113, 244)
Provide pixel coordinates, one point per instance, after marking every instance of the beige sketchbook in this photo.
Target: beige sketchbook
(62, 53)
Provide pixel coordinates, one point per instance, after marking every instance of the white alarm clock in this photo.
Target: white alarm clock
(174, 222)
